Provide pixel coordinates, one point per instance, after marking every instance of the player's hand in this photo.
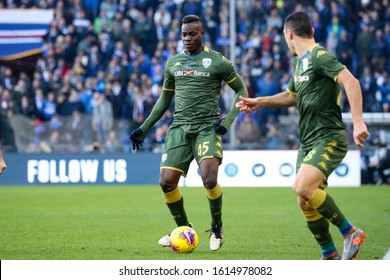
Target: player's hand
(360, 133)
(219, 128)
(136, 143)
(3, 166)
(246, 105)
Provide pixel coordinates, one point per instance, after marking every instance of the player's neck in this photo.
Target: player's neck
(198, 51)
(303, 46)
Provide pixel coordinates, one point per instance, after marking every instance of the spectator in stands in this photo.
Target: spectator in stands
(49, 107)
(112, 144)
(247, 129)
(78, 130)
(344, 50)
(369, 87)
(380, 162)
(379, 51)
(102, 116)
(27, 108)
(162, 19)
(273, 139)
(363, 44)
(384, 90)
(335, 28)
(117, 26)
(211, 21)
(266, 86)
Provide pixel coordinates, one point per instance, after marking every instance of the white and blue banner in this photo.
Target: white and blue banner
(239, 169)
(21, 32)
(271, 169)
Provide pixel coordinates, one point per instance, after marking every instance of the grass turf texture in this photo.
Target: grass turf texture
(125, 223)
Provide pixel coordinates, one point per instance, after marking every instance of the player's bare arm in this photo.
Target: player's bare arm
(354, 94)
(282, 99)
(3, 165)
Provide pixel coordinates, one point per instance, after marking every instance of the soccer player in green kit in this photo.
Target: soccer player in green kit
(194, 77)
(315, 89)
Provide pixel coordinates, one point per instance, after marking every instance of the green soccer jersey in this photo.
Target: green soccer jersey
(314, 84)
(196, 82)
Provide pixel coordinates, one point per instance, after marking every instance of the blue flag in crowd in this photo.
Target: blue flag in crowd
(21, 32)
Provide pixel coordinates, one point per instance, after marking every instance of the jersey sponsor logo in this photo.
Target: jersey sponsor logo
(196, 73)
(206, 62)
(299, 79)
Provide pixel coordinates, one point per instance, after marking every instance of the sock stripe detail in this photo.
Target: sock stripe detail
(214, 193)
(173, 196)
(318, 198)
(311, 215)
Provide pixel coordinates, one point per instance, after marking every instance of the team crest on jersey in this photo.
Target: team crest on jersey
(305, 64)
(206, 62)
(164, 157)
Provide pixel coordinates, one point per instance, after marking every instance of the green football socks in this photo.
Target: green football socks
(214, 197)
(175, 203)
(325, 205)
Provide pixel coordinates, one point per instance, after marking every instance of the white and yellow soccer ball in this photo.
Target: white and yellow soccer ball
(183, 239)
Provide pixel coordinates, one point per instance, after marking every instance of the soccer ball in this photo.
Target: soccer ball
(183, 239)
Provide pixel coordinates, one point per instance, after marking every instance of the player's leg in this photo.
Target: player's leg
(318, 225)
(175, 162)
(208, 153)
(314, 169)
(169, 180)
(209, 174)
(174, 200)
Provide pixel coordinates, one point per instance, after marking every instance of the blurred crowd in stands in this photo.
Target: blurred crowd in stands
(102, 67)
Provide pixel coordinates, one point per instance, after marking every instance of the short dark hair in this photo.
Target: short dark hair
(191, 18)
(300, 23)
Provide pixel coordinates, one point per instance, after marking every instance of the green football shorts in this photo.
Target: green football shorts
(326, 154)
(188, 141)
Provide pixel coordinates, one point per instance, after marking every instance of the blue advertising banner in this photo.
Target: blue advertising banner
(85, 169)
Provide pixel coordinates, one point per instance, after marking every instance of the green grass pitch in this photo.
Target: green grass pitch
(125, 223)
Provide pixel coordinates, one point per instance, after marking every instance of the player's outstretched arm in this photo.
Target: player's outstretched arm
(282, 99)
(354, 94)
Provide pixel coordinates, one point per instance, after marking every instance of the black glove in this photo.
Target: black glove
(136, 143)
(221, 130)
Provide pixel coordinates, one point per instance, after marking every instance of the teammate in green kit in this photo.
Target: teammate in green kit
(194, 77)
(315, 89)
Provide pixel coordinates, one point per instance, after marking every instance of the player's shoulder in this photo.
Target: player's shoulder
(174, 60)
(319, 52)
(213, 53)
